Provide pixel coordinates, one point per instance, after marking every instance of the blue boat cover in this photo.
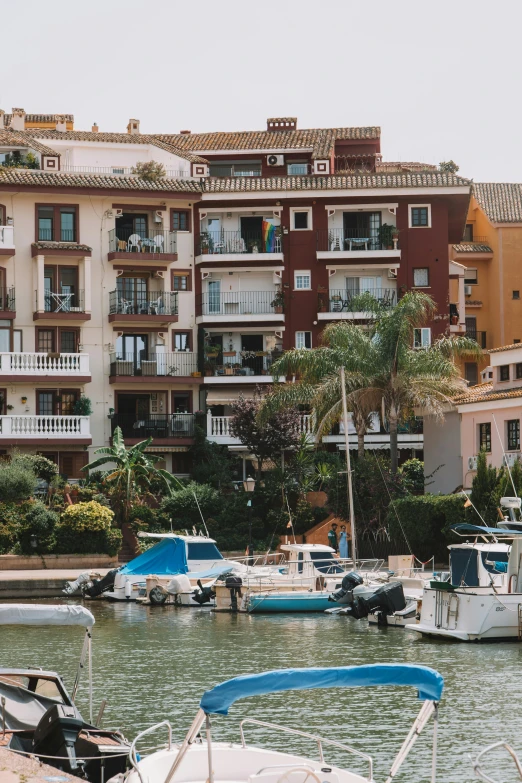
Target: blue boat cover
(496, 531)
(428, 682)
(166, 558)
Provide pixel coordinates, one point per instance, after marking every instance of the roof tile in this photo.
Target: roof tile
(64, 180)
(470, 247)
(501, 201)
(483, 392)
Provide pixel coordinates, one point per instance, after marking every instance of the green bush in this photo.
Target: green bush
(412, 472)
(37, 520)
(91, 517)
(9, 521)
(85, 528)
(182, 508)
(42, 467)
(424, 524)
(17, 483)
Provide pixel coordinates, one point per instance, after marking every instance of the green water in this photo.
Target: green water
(154, 663)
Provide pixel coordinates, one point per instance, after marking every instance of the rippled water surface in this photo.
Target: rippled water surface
(155, 663)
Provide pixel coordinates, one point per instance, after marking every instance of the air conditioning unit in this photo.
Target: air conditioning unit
(275, 160)
(118, 213)
(511, 458)
(472, 463)
(392, 274)
(109, 213)
(158, 217)
(467, 290)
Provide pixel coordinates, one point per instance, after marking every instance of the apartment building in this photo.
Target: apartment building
(159, 299)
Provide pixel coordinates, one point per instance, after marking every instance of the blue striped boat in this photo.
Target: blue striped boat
(312, 601)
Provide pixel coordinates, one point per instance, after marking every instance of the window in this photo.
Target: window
(503, 372)
(302, 281)
(485, 436)
(422, 337)
(250, 168)
(61, 288)
(68, 340)
(471, 373)
(180, 220)
(45, 341)
(180, 282)
(513, 434)
(518, 371)
(181, 341)
(468, 233)
(303, 339)
(421, 277)
(471, 277)
(57, 223)
(301, 219)
(420, 216)
(296, 169)
(181, 402)
(516, 294)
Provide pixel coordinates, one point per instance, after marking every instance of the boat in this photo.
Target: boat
(482, 598)
(38, 717)
(199, 757)
(478, 762)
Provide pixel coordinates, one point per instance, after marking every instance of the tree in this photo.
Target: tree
(265, 439)
(448, 167)
(383, 371)
(151, 170)
(483, 492)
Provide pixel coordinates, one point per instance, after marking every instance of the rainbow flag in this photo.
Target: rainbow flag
(268, 236)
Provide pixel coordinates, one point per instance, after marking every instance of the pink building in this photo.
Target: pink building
(486, 417)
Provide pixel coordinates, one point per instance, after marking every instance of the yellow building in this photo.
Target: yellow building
(491, 252)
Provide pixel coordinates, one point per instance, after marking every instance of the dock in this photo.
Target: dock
(15, 768)
(44, 583)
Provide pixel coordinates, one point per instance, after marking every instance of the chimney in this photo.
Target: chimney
(61, 123)
(133, 127)
(281, 124)
(2, 119)
(95, 128)
(184, 132)
(18, 119)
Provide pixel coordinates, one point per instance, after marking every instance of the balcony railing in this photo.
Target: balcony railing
(219, 426)
(343, 301)
(181, 364)
(147, 303)
(44, 427)
(479, 337)
(339, 239)
(34, 364)
(63, 302)
(7, 237)
(238, 303)
(155, 425)
(243, 363)
(122, 171)
(7, 300)
(234, 171)
(237, 242)
(475, 241)
(56, 235)
(127, 240)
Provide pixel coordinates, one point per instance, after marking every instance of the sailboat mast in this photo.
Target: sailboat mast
(348, 468)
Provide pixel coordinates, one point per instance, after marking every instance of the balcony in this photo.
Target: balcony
(342, 304)
(138, 307)
(122, 171)
(339, 243)
(7, 304)
(238, 306)
(7, 246)
(218, 429)
(41, 429)
(65, 305)
(165, 426)
(479, 337)
(240, 366)
(28, 367)
(242, 246)
(170, 366)
(151, 245)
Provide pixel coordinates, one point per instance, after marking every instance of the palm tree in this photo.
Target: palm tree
(133, 470)
(383, 371)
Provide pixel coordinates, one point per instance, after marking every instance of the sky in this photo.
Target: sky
(441, 79)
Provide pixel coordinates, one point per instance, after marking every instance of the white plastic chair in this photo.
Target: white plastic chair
(158, 242)
(156, 306)
(133, 241)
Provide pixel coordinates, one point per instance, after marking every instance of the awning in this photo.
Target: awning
(166, 449)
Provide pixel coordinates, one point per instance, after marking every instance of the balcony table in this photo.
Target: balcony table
(359, 241)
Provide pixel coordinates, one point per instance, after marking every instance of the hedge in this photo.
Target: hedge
(85, 528)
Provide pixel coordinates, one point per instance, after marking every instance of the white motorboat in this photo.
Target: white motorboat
(483, 597)
(38, 717)
(199, 758)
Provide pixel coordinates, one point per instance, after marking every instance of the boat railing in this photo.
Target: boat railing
(315, 737)
(502, 744)
(269, 558)
(132, 750)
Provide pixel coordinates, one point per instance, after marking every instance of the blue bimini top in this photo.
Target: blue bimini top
(167, 558)
(428, 682)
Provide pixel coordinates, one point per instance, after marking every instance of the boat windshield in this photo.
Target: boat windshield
(203, 550)
(492, 558)
(325, 563)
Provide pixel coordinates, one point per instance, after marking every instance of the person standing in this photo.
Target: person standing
(332, 537)
(343, 543)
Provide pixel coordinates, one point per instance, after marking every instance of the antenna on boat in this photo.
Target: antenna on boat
(200, 513)
(348, 467)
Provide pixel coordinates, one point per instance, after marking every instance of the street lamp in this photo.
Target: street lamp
(249, 485)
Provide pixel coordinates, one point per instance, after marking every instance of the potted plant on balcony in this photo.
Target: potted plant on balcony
(82, 406)
(253, 246)
(212, 350)
(386, 236)
(205, 241)
(395, 236)
(278, 301)
(229, 353)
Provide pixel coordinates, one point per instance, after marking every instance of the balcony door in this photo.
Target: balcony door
(252, 233)
(362, 225)
(360, 285)
(56, 402)
(214, 232)
(132, 294)
(214, 297)
(132, 348)
(60, 288)
(251, 344)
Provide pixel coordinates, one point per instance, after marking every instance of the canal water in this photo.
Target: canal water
(152, 663)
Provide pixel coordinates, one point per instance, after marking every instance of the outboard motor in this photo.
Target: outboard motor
(350, 581)
(57, 733)
(99, 586)
(234, 584)
(386, 600)
(204, 595)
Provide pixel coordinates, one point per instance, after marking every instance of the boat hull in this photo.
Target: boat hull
(287, 602)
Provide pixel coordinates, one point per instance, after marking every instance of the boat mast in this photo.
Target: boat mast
(348, 468)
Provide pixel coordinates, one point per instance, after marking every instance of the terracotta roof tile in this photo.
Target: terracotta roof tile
(387, 166)
(9, 137)
(472, 247)
(501, 201)
(348, 182)
(61, 246)
(65, 180)
(511, 347)
(42, 117)
(320, 141)
(483, 392)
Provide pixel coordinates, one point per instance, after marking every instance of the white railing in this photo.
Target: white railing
(7, 236)
(35, 363)
(44, 427)
(219, 426)
(122, 171)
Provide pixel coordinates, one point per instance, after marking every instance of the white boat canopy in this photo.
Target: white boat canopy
(41, 614)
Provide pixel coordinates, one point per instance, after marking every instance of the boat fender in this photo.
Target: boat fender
(512, 585)
(157, 596)
(128, 589)
(179, 584)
